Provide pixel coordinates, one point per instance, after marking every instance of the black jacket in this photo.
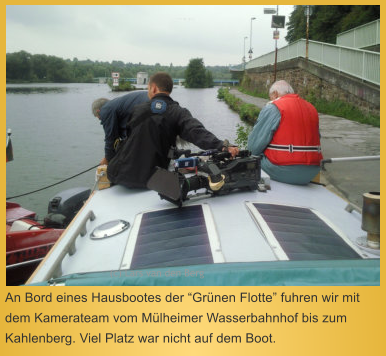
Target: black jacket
(152, 130)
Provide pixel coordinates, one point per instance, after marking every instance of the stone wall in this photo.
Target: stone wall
(309, 78)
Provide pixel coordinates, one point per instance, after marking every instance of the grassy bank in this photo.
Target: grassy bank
(253, 93)
(247, 112)
(342, 109)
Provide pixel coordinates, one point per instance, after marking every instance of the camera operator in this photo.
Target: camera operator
(152, 130)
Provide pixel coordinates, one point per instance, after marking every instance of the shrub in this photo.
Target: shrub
(242, 135)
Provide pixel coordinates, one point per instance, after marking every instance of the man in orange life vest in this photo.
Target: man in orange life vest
(287, 133)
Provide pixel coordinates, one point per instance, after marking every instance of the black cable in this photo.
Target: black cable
(49, 186)
(318, 183)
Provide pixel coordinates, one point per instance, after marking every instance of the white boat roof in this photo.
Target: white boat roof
(235, 235)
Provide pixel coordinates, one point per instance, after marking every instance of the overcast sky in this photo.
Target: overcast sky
(143, 33)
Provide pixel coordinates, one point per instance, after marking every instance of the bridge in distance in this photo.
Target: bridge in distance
(178, 81)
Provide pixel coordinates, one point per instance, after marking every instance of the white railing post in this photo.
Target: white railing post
(355, 38)
(378, 32)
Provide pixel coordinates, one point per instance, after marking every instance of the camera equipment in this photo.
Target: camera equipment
(214, 171)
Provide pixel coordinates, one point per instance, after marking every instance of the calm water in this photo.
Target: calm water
(55, 136)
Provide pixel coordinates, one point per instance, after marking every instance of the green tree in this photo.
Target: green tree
(57, 70)
(39, 66)
(19, 66)
(360, 15)
(327, 21)
(209, 79)
(195, 74)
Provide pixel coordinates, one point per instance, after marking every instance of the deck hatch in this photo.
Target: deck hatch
(172, 237)
(109, 229)
(297, 233)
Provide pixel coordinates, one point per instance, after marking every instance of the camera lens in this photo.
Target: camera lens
(195, 182)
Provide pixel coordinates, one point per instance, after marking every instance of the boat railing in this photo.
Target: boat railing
(348, 159)
(350, 206)
(55, 269)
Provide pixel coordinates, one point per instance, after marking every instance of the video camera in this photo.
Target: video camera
(212, 170)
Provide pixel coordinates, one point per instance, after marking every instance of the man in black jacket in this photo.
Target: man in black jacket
(114, 115)
(152, 130)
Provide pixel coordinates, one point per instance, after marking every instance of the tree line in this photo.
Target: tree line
(25, 67)
(326, 21)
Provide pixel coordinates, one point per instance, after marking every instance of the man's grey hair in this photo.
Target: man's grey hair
(281, 87)
(97, 105)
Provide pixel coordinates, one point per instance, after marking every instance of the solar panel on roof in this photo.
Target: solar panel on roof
(171, 237)
(297, 233)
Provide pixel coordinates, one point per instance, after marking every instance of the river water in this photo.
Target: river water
(55, 136)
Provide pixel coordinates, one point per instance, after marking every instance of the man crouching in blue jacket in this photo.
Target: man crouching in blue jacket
(114, 116)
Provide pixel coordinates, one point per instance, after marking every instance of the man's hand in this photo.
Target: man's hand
(104, 162)
(234, 151)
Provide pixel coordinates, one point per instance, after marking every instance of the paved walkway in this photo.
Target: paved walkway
(343, 138)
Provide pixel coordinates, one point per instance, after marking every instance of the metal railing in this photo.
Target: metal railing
(53, 268)
(358, 63)
(361, 37)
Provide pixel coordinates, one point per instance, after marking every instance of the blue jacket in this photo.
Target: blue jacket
(114, 116)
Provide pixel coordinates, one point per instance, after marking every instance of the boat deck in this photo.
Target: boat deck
(236, 232)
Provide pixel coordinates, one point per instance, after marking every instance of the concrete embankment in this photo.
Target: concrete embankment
(343, 138)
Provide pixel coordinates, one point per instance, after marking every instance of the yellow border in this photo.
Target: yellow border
(363, 333)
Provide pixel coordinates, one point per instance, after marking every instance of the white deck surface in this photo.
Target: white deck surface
(240, 238)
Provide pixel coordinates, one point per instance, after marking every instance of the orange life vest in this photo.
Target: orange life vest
(296, 140)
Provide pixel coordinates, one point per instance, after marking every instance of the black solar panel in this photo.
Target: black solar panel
(303, 235)
(172, 237)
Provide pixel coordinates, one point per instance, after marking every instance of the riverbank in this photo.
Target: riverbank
(343, 138)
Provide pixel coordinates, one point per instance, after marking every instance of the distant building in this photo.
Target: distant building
(142, 78)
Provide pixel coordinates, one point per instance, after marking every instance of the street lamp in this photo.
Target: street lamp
(244, 52)
(274, 77)
(250, 40)
(308, 13)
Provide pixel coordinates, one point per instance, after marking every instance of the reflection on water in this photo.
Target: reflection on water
(34, 90)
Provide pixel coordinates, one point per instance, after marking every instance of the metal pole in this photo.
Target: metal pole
(274, 76)
(244, 51)
(349, 159)
(307, 29)
(250, 40)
